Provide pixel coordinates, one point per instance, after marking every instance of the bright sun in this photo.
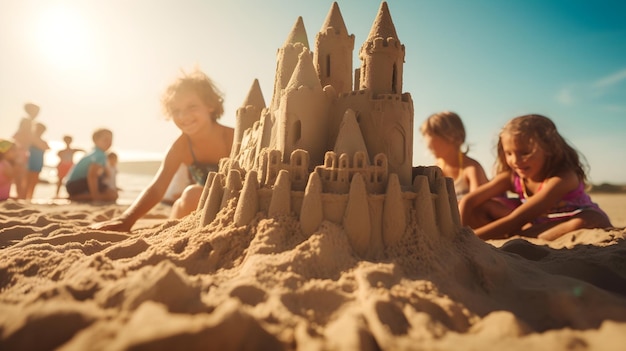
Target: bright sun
(63, 38)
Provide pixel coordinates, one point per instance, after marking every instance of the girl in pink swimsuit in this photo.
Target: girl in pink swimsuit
(546, 173)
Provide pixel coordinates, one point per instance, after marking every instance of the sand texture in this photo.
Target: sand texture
(268, 286)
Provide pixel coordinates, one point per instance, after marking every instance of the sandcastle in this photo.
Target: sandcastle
(328, 149)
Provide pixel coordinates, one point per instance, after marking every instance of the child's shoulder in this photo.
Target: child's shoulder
(180, 143)
(180, 148)
(472, 162)
(227, 128)
(566, 178)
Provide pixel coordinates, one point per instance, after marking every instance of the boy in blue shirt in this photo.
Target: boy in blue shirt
(86, 180)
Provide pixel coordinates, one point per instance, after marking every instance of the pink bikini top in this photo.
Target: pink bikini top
(572, 203)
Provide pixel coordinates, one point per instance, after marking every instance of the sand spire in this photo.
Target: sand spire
(255, 96)
(356, 219)
(298, 34)
(350, 139)
(247, 115)
(334, 20)
(248, 203)
(383, 26)
(311, 214)
(213, 200)
(304, 74)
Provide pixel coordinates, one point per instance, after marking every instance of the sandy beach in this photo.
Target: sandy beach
(266, 286)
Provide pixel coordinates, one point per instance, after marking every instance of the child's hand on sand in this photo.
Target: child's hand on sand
(114, 224)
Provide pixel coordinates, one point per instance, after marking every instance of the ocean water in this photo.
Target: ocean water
(132, 180)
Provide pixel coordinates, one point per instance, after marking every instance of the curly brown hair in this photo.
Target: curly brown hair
(198, 82)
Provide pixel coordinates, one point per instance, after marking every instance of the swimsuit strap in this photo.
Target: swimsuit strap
(523, 184)
(460, 165)
(524, 187)
(458, 177)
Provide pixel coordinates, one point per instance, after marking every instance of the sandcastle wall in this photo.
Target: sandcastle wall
(372, 220)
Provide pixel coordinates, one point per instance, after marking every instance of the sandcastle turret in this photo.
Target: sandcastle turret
(287, 59)
(387, 124)
(302, 118)
(247, 115)
(333, 52)
(382, 57)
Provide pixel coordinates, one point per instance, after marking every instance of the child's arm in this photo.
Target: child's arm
(470, 205)
(553, 190)
(150, 196)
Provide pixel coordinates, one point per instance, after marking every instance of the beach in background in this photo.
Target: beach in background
(132, 178)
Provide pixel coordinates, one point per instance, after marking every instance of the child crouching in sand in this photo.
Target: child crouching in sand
(86, 180)
(195, 105)
(536, 163)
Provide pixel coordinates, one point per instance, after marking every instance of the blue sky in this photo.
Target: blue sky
(104, 63)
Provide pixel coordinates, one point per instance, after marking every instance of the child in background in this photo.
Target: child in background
(22, 139)
(111, 171)
(535, 162)
(36, 152)
(7, 170)
(85, 182)
(66, 161)
(444, 134)
(195, 105)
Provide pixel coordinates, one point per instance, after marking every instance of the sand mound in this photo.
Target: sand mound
(267, 286)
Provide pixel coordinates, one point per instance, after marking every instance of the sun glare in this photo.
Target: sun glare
(63, 39)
